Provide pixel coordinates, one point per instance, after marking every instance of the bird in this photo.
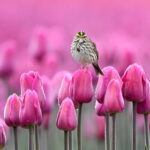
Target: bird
(84, 51)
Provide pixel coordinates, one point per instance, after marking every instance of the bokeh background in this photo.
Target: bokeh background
(36, 35)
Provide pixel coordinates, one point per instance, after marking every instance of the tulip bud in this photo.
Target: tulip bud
(109, 73)
(114, 101)
(100, 126)
(81, 87)
(30, 112)
(3, 135)
(88, 124)
(11, 110)
(38, 46)
(133, 83)
(64, 88)
(7, 51)
(32, 81)
(46, 120)
(48, 105)
(56, 82)
(144, 106)
(66, 118)
(100, 109)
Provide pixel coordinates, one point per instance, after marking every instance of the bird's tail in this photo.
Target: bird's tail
(97, 69)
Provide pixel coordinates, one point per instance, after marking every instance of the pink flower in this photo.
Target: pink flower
(49, 102)
(56, 82)
(11, 110)
(113, 100)
(100, 126)
(32, 81)
(81, 87)
(39, 44)
(64, 88)
(30, 112)
(100, 109)
(144, 106)
(46, 120)
(133, 83)
(3, 134)
(109, 73)
(7, 52)
(66, 118)
(88, 124)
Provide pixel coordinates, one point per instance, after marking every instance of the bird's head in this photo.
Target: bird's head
(81, 34)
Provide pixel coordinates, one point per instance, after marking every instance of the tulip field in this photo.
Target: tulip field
(74, 75)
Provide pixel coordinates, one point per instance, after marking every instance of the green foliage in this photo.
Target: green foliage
(145, 148)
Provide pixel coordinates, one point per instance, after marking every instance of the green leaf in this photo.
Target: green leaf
(145, 148)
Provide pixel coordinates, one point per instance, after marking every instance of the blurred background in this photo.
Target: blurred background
(36, 35)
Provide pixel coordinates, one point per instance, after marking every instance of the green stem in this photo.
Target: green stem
(31, 143)
(15, 138)
(65, 140)
(36, 137)
(134, 127)
(107, 139)
(47, 139)
(70, 140)
(79, 128)
(146, 130)
(114, 131)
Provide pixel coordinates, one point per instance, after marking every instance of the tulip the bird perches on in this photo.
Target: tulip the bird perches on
(85, 52)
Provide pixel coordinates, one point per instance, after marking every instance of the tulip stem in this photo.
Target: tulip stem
(65, 140)
(107, 140)
(31, 131)
(114, 131)
(134, 127)
(79, 127)
(15, 138)
(146, 130)
(70, 140)
(36, 137)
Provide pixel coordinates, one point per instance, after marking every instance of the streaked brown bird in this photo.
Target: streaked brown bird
(85, 52)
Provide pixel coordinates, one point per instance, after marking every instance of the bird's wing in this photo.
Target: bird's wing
(95, 50)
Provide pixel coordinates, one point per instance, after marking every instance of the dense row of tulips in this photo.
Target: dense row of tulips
(33, 106)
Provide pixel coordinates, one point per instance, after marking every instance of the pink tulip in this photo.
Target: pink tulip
(39, 44)
(7, 51)
(3, 91)
(49, 103)
(3, 97)
(113, 100)
(6, 128)
(11, 110)
(3, 138)
(3, 134)
(30, 112)
(134, 83)
(64, 88)
(56, 82)
(81, 87)
(66, 118)
(100, 109)
(46, 120)
(109, 73)
(100, 126)
(88, 124)
(32, 81)
(144, 106)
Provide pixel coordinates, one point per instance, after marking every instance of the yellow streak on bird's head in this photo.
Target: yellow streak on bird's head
(81, 34)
